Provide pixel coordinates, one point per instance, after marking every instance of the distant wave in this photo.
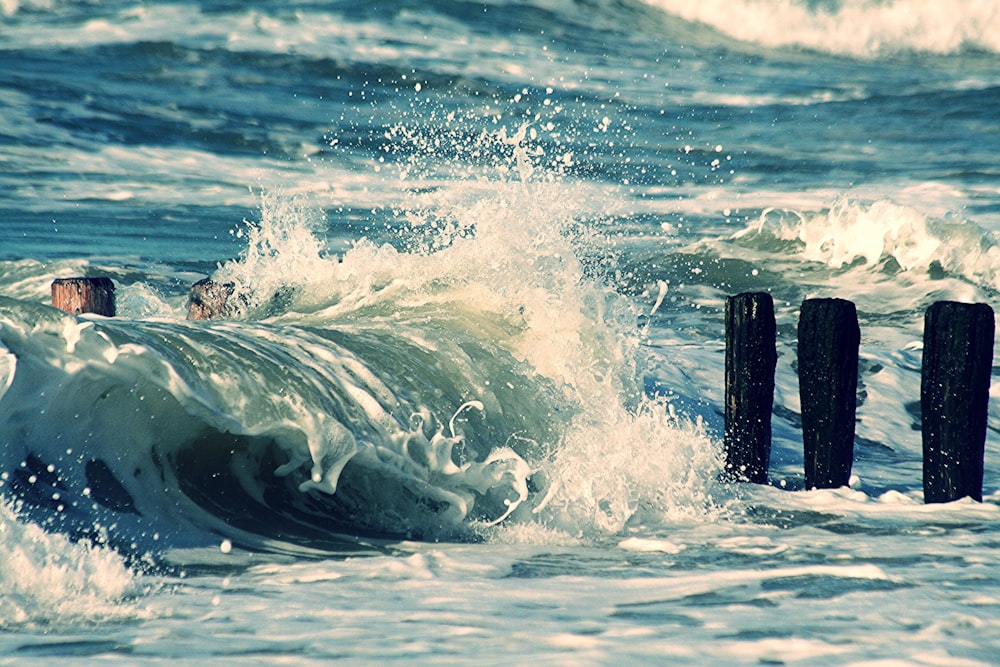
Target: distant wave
(863, 28)
(883, 232)
(11, 7)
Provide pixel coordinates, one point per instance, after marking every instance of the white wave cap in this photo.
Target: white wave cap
(11, 7)
(850, 231)
(851, 27)
(45, 578)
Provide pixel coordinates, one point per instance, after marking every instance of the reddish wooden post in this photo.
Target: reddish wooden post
(209, 300)
(954, 398)
(751, 356)
(84, 295)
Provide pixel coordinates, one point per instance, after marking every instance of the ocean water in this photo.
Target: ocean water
(468, 407)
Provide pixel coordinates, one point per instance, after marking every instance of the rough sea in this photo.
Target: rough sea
(467, 408)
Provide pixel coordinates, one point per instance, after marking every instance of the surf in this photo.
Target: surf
(855, 28)
(482, 377)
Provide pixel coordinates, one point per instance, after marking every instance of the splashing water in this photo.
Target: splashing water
(886, 232)
(284, 253)
(499, 265)
(57, 581)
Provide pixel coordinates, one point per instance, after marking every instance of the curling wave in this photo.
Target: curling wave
(382, 394)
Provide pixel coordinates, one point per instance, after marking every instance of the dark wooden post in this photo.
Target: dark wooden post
(954, 398)
(84, 295)
(829, 338)
(209, 300)
(751, 356)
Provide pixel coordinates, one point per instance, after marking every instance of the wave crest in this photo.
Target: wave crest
(860, 28)
(882, 232)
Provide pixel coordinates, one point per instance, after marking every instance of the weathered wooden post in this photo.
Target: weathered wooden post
(954, 398)
(751, 356)
(209, 300)
(829, 338)
(84, 295)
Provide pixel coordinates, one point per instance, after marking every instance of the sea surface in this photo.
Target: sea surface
(466, 407)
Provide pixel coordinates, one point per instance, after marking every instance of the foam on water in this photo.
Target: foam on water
(880, 232)
(555, 197)
(31, 280)
(850, 27)
(505, 257)
(509, 262)
(480, 367)
(572, 604)
(409, 38)
(46, 580)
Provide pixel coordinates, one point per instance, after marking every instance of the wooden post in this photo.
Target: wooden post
(954, 398)
(209, 300)
(829, 338)
(84, 295)
(751, 356)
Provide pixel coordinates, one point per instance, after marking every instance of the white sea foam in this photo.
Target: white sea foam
(410, 37)
(850, 27)
(11, 7)
(621, 562)
(852, 231)
(46, 580)
(499, 256)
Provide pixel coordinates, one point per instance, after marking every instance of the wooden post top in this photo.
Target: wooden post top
(209, 300)
(84, 295)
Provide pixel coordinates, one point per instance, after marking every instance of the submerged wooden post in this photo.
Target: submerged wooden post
(954, 398)
(829, 338)
(209, 300)
(84, 295)
(751, 356)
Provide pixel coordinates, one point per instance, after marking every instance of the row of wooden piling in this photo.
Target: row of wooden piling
(954, 392)
(208, 300)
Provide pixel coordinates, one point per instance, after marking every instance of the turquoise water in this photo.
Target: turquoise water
(470, 406)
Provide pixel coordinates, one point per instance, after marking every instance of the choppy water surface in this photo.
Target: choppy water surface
(469, 406)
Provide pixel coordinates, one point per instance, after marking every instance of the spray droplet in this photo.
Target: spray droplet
(226, 546)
